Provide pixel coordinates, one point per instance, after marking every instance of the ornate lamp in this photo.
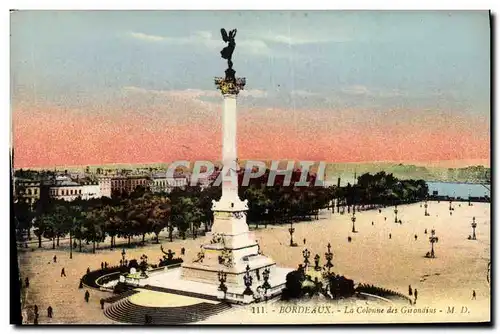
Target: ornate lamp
(433, 239)
(474, 225)
(353, 219)
(291, 230)
(396, 213)
(306, 254)
(329, 258)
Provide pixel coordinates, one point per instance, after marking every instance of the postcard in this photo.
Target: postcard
(250, 167)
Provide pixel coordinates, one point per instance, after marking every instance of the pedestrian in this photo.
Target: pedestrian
(121, 263)
(87, 296)
(102, 303)
(304, 241)
(410, 291)
(372, 223)
(102, 265)
(474, 294)
(416, 237)
(425, 232)
(257, 273)
(55, 259)
(49, 311)
(416, 294)
(88, 270)
(183, 251)
(105, 265)
(390, 236)
(36, 309)
(63, 273)
(379, 211)
(27, 282)
(385, 218)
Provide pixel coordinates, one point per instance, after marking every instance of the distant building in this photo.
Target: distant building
(66, 189)
(27, 190)
(129, 183)
(160, 182)
(104, 185)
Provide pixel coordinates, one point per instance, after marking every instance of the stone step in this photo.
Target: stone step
(125, 311)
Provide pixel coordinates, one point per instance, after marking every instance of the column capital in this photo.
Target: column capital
(230, 86)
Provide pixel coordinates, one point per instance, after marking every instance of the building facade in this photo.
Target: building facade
(129, 183)
(64, 188)
(104, 185)
(162, 183)
(27, 191)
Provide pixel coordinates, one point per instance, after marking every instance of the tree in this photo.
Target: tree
(160, 215)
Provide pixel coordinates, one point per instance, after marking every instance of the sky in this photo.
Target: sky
(101, 87)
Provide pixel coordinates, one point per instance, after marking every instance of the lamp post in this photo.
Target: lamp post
(433, 239)
(291, 230)
(353, 219)
(123, 255)
(450, 204)
(329, 257)
(316, 262)
(425, 206)
(396, 213)
(306, 254)
(474, 225)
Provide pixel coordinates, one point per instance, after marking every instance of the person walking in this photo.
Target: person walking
(410, 291)
(416, 294)
(102, 303)
(63, 273)
(27, 282)
(55, 259)
(87, 296)
(49, 311)
(183, 251)
(304, 241)
(390, 236)
(473, 294)
(102, 265)
(416, 237)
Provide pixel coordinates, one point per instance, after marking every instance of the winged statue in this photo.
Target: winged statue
(227, 52)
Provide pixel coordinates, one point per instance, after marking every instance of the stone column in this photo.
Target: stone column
(229, 148)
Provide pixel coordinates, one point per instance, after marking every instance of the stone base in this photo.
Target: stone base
(210, 274)
(172, 279)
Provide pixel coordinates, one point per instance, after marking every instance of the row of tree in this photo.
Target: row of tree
(186, 210)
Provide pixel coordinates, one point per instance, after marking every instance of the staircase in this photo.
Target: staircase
(124, 311)
(179, 292)
(115, 298)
